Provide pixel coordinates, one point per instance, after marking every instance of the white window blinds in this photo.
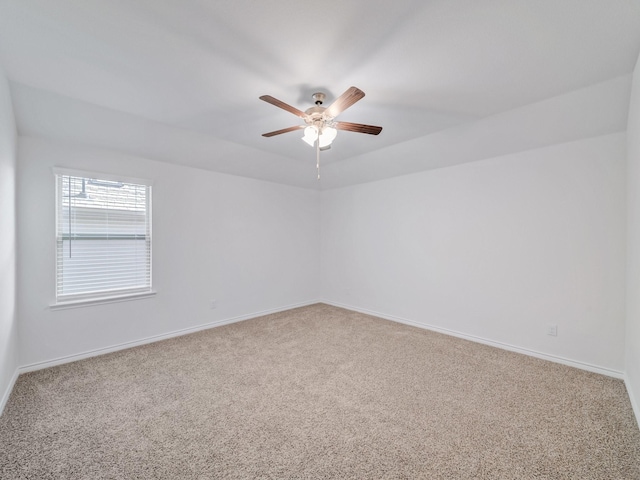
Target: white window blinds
(103, 230)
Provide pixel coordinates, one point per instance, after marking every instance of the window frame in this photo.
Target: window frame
(106, 295)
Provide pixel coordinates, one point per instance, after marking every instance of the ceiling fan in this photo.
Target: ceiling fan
(320, 128)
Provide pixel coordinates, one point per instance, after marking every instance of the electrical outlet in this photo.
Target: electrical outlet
(213, 304)
(552, 329)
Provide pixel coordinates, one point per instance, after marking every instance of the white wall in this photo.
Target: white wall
(495, 249)
(251, 245)
(8, 316)
(632, 364)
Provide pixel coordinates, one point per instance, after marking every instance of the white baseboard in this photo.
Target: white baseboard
(7, 393)
(155, 338)
(505, 346)
(632, 399)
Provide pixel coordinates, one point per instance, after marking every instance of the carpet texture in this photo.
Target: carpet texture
(317, 392)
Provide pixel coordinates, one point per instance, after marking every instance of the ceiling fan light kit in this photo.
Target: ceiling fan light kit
(320, 128)
(326, 135)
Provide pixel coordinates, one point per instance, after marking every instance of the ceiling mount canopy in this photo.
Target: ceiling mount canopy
(320, 128)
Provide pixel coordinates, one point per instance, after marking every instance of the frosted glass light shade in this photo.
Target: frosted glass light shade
(327, 136)
(310, 135)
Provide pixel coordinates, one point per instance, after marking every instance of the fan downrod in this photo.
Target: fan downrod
(319, 97)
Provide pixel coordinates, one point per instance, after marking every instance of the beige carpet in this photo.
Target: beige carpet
(317, 392)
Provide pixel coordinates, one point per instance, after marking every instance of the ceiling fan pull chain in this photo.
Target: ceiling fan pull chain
(318, 154)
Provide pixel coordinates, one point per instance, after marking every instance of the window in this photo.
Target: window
(103, 237)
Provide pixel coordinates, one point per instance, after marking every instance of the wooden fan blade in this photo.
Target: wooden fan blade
(358, 127)
(282, 105)
(344, 101)
(284, 130)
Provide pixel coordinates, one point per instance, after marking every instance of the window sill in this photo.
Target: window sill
(100, 301)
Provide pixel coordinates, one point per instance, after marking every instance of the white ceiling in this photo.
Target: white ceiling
(179, 80)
